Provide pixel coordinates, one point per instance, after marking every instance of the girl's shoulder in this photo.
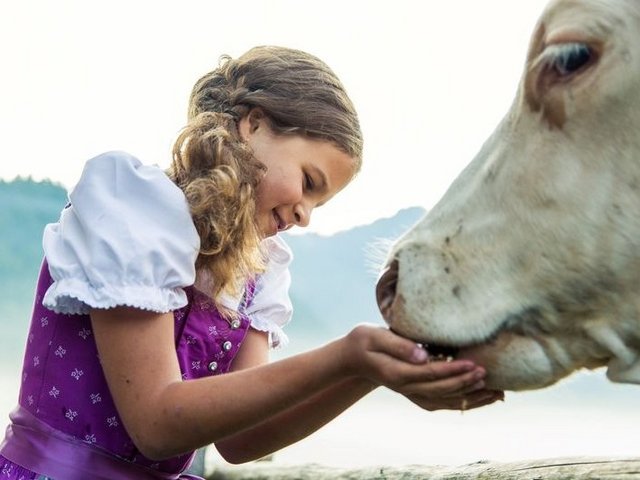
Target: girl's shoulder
(116, 173)
(117, 186)
(126, 238)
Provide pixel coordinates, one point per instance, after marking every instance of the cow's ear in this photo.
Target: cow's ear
(623, 372)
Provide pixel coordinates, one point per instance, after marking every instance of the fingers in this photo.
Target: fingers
(387, 342)
(462, 384)
(464, 391)
(402, 365)
(448, 379)
(454, 385)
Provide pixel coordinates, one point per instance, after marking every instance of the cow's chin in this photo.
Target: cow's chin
(513, 362)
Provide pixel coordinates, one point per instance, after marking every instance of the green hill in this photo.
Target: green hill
(333, 277)
(27, 206)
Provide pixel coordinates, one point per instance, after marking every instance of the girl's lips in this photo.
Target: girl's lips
(280, 224)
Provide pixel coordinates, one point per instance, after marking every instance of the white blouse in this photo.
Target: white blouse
(271, 307)
(127, 238)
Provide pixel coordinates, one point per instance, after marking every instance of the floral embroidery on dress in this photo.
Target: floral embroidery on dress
(204, 303)
(60, 351)
(44, 321)
(90, 438)
(77, 374)
(195, 365)
(36, 361)
(95, 398)
(112, 421)
(84, 333)
(71, 414)
(54, 392)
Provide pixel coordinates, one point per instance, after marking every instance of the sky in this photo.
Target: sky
(430, 81)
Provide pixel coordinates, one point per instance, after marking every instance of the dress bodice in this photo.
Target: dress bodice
(64, 387)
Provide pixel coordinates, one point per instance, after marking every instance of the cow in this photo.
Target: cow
(530, 263)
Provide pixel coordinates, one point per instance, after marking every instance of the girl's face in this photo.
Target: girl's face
(302, 173)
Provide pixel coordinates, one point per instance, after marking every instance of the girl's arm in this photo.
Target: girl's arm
(166, 416)
(305, 418)
(296, 423)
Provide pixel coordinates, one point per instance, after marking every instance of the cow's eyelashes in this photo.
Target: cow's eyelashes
(565, 59)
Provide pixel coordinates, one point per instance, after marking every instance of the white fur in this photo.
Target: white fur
(531, 260)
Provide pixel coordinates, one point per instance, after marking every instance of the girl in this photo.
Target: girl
(160, 293)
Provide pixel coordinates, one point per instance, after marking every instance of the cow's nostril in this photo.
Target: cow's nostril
(386, 289)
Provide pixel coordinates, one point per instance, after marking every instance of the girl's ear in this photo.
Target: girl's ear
(251, 122)
(255, 118)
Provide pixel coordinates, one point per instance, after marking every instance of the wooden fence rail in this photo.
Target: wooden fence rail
(573, 468)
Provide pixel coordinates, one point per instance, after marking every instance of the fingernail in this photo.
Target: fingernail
(468, 366)
(419, 355)
(478, 385)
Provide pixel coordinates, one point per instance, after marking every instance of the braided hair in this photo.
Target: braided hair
(217, 171)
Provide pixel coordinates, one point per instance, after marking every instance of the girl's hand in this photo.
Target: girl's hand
(385, 358)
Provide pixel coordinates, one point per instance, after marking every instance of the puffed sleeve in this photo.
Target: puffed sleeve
(126, 239)
(271, 309)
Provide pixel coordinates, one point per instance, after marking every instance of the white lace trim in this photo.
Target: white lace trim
(72, 297)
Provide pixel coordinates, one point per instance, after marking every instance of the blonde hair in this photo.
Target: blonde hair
(299, 95)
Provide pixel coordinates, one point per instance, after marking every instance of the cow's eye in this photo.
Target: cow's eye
(568, 58)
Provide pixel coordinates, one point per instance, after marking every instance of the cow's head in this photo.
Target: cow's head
(530, 263)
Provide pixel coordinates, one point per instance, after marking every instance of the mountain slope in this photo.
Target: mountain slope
(27, 206)
(333, 277)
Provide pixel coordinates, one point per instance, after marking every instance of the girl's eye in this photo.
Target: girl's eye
(568, 58)
(308, 182)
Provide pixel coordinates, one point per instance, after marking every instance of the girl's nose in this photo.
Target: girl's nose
(301, 214)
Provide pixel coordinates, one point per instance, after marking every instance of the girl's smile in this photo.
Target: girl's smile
(302, 173)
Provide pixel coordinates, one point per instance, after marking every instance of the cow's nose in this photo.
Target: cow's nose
(386, 290)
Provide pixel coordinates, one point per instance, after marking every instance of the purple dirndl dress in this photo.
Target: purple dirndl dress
(126, 238)
(66, 425)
